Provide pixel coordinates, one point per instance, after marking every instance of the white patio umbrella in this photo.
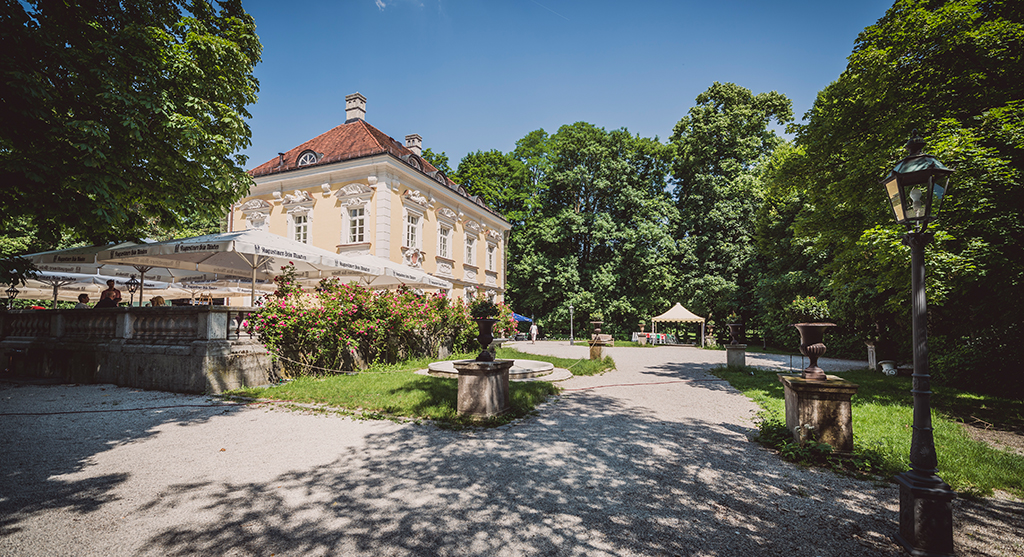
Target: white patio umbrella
(396, 274)
(255, 254)
(83, 260)
(67, 286)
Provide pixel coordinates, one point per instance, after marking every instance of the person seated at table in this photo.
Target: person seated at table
(112, 293)
(156, 301)
(83, 302)
(105, 303)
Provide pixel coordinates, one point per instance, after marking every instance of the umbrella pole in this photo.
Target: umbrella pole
(252, 292)
(142, 285)
(55, 295)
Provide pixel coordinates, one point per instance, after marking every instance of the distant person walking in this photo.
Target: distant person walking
(533, 333)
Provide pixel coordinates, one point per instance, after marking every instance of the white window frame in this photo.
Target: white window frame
(444, 241)
(491, 257)
(354, 236)
(412, 236)
(302, 220)
(471, 240)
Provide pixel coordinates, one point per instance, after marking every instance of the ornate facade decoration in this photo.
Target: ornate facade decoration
(444, 269)
(355, 195)
(256, 212)
(472, 226)
(493, 235)
(413, 257)
(416, 197)
(469, 273)
(448, 214)
(297, 198)
(298, 203)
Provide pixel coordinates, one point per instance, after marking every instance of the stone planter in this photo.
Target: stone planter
(595, 341)
(485, 338)
(888, 367)
(735, 333)
(812, 346)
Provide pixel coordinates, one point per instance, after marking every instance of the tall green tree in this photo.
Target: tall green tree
(591, 223)
(952, 70)
(601, 239)
(122, 116)
(719, 148)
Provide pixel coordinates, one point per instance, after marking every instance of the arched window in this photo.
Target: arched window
(307, 157)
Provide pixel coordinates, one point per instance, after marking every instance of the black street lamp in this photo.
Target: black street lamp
(571, 339)
(132, 285)
(12, 293)
(916, 188)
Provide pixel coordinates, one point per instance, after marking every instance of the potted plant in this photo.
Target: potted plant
(484, 312)
(810, 317)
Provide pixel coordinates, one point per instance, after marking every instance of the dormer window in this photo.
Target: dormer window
(307, 157)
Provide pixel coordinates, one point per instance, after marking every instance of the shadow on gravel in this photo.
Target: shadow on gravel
(38, 446)
(587, 477)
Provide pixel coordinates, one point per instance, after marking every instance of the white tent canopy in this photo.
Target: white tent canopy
(679, 314)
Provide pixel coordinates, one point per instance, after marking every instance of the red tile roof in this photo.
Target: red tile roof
(353, 140)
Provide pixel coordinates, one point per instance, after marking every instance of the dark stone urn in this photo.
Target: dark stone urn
(812, 336)
(485, 338)
(735, 333)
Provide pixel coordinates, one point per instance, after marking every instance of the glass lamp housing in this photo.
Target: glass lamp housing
(916, 187)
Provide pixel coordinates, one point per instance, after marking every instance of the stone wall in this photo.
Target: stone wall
(197, 349)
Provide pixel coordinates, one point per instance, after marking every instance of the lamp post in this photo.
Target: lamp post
(916, 188)
(571, 339)
(12, 293)
(132, 285)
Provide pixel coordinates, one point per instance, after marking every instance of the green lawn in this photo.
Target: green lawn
(882, 418)
(397, 392)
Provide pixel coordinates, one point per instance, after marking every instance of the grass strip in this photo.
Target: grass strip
(882, 419)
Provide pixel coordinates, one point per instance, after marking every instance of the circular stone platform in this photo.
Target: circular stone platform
(520, 370)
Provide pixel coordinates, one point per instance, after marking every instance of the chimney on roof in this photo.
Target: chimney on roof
(414, 143)
(355, 107)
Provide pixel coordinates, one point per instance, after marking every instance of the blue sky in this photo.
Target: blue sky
(473, 75)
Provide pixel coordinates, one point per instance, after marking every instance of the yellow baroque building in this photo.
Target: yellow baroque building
(354, 189)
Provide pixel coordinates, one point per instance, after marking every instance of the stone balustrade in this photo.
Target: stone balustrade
(180, 349)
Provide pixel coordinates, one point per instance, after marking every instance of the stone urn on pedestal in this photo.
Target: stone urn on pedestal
(483, 382)
(818, 406)
(735, 351)
(595, 338)
(485, 338)
(812, 345)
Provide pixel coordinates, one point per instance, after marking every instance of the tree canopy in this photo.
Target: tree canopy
(123, 116)
(719, 149)
(953, 71)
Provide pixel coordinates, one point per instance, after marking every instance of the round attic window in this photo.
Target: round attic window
(308, 157)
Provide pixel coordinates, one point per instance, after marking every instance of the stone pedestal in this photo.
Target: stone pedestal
(595, 351)
(483, 388)
(872, 356)
(736, 355)
(820, 410)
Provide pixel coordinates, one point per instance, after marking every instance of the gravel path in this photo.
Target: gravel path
(651, 459)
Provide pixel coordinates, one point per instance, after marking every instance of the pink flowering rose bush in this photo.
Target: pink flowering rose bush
(343, 326)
